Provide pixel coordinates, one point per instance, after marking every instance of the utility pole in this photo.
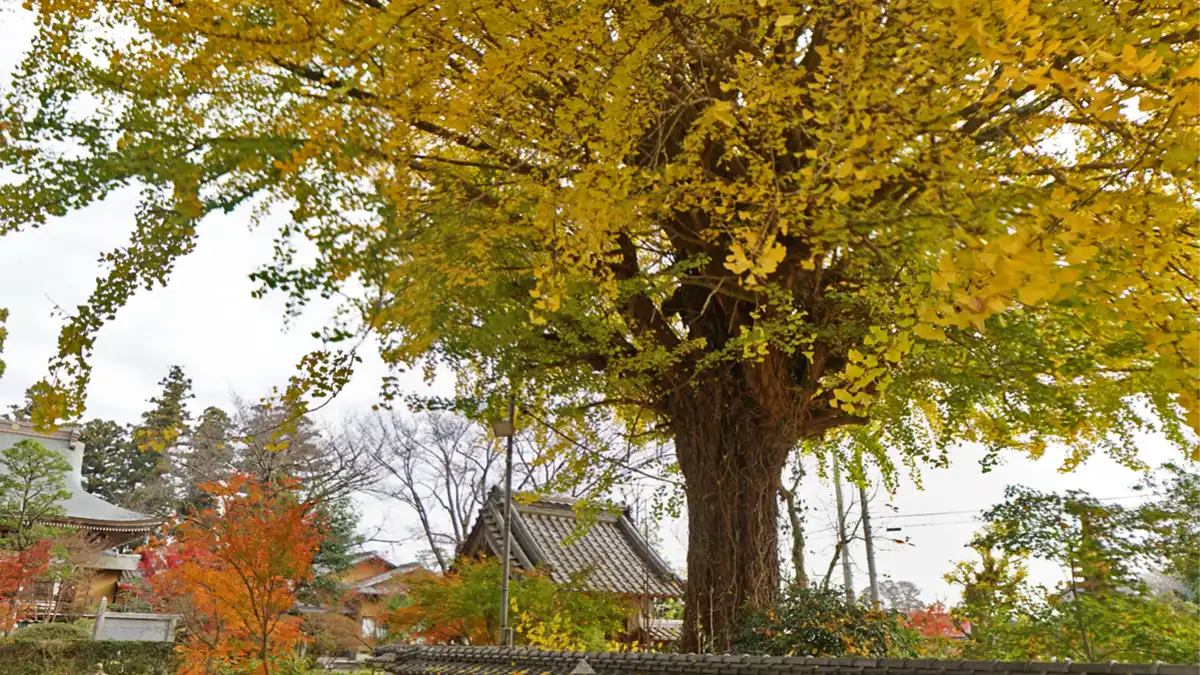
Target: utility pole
(847, 579)
(870, 541)
(501, 429)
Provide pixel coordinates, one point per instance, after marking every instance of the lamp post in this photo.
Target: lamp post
(506, 429)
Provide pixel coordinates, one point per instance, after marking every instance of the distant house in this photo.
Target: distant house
(371, 580)
(608, 555)
(366, 586)
(111, 526)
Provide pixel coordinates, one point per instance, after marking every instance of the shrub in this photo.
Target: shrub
(79, 657)
(53, 631)
(821, 622)
(461, 608)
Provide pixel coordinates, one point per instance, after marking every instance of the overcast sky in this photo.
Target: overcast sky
(226, 341)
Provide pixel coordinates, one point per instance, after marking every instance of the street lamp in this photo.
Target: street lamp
(506, 429)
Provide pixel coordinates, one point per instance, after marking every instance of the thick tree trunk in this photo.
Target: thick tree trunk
(732, 440)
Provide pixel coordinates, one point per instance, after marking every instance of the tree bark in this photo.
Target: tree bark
(732, 441)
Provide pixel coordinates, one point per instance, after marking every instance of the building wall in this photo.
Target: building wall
(369, 614)
(103, 585)
(363, 607)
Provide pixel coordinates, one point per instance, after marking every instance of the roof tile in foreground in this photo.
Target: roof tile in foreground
(446, 660)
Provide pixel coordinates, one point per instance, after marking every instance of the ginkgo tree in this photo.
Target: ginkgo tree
(735, 224)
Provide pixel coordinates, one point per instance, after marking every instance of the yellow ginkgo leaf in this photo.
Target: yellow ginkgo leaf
(1192, 71)
(929, 332)
(1082, 254)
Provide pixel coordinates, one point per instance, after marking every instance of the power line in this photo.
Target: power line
(935, 513)
(887, 519)
(954, 522)
(959, 513)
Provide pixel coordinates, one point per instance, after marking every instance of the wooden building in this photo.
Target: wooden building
(603, 549)
(108, 525)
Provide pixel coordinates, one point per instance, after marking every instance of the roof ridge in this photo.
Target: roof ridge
(65, 427)
(384, 576)
(518, 659)
(497, 492)
(606, 553)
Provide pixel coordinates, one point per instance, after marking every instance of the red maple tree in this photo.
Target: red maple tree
(941, 632)
(232, 571)
(933, 622)
(18, 570)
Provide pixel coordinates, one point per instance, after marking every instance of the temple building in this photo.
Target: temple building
(107, 525)
(607, 555)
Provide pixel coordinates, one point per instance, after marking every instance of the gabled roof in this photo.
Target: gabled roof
(445, 660)
(370, 555)
(609, 556)
(376, 585)
(357, 559)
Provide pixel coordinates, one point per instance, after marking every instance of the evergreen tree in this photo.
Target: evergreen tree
(24, 411)
(164, 428)
(340, 539)
(207, 457)
(32, 483)
(164, 425)
(112, 464)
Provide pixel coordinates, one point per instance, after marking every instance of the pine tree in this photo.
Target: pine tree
(164, 428)
(112, 463)
(208, 456)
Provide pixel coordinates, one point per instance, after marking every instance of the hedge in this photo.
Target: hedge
(53, 631)
(81, 657)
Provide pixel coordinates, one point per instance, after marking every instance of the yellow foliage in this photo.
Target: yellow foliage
(615, 203)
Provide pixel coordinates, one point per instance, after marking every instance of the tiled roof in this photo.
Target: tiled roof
(428, 660)
(84, 510)
(371, 586)
(370, 555)
(610, 555)
(322, 570)
(664, 630)
(92, 512)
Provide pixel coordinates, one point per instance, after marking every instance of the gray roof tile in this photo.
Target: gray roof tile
(410, 660)
(663, 630)
(609, 555)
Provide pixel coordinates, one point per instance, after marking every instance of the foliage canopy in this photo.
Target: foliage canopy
(33, 481)
(1104, 608)
(741, 224)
